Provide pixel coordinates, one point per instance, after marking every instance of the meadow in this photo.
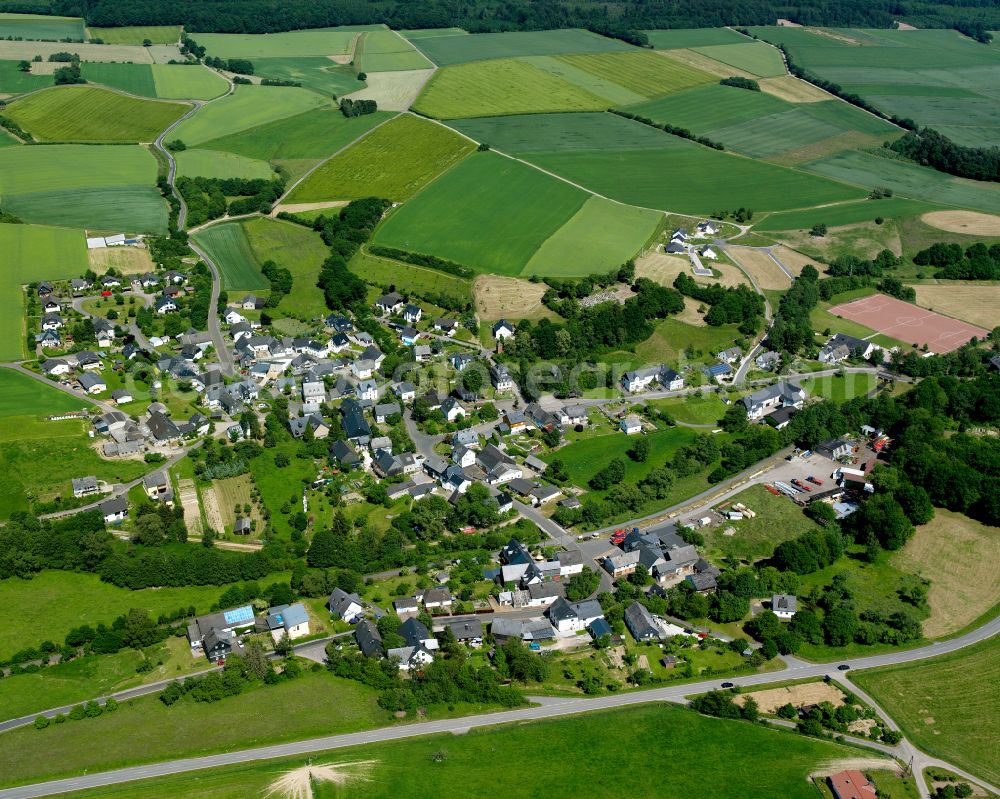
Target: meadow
(32, 26)
(417, 279)
(394, 161)
(90, 114)
(17, 50)
(640, 71)
(838, 387)
(683, 38)
(756, 58)
(318, 42)
(671, 338)
(462, 48)
(18, 392)
(848, 213)
(164, 81)
(299, 250)
(313, 72)
(32, 253)
(489, 213)
(137, 34)
(220, 164)
(948, 706)
(778, 519)
(131, 78)
(13, 81)
(600, 236)
(976, 304)
(565, 756)
(387, 51)
(248, 107)
(227, 245)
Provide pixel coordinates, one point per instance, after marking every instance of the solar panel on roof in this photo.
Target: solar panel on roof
(238, 615)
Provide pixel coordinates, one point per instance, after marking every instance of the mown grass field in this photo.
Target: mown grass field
(701, 409)
(90, 114)
(462, 48)
(417, 279)
(13, 81)
(181, 82)
(318, 42)
(313, 72)
(672, 337)
(220, 164)
(683, 38)
(489, 213)
(640, 71)
(839, 388)
(778, 519)
(394, 161)
(600, 236)
(145, 729)
(948, 706)
(848, 213)
(131, 78)
(18, 393)
(227, 245)
(33, 26)
(77, 185)
(756, 58)
(387, 51)
(32, 253)
(137, 34)
(248, 107)
(566, 756)
(299, 250)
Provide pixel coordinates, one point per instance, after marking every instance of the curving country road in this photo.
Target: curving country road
(551, 708)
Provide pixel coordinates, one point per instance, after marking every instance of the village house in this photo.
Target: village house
(369, 639)
(501, 379)
(345, 606)
(290, 620)
(571, 617)
(640, 623)
(92, 384)
(114, 510)
(85, 486)
(503, 330)
(842, 346)
(768, 399)
(390, 304)
(784, 606)
(631, 424)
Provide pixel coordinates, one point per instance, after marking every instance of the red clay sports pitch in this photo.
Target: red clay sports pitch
(909, 323)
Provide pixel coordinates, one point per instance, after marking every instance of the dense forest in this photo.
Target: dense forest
(616, 19)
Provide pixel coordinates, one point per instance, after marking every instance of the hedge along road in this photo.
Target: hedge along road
(551, 709)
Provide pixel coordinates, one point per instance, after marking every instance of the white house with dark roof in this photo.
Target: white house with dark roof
(784, 606)
(345, 606)
(571, 617)
(770, 398)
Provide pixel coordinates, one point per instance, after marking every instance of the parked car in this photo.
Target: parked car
(727, 685)
(843, 667)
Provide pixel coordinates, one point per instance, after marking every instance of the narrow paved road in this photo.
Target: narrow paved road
(552, 708)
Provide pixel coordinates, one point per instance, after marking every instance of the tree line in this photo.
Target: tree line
(730, 305)
(975, 262)
(206, 197)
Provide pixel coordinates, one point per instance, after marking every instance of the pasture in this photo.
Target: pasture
(18, 392)
(387, 51)
(420, 280)
(313, 72)
(181, 82)
(600, 236)
(394, 161)
(248, 107)
(489, 213)
(90, 114)
(228, 246)
(34, 26)
(137, 34)
(955, 553)
(32, 253)
(299, 250)
(220, 164)
(948, 706)
(318, 42)
(462, 48)
(672, 337)
(847, 213)
(975, 304)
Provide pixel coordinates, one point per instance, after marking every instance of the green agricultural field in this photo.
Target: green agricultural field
(86, 114)
(839, 388)
(908, 180)
(940, 711)
(500, 87)
(419, 280)
(431, 33)
(6, 139)
(759, 762)
(227, 245)
(220, 164)
(845, 214)
(461, 48)
(19, 392)
(489, 213)
(32, 253)
(706, 108)
(313, 72)
(248, 107)
(672, 337)
(602, 235)
(756, 58)
(778, 519)
(299, 250)
(145, 729)
(77, 185)
(182, 82)
(93, 602)
(645, 73)
(682, 38)
(131, 78)
(319, 42)
(31, 26)
(137, 34)
(13, 81)
(394, 161)
(697, 409)
(387, 51)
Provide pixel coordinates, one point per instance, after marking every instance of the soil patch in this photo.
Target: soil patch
(394, 91)
(187, 494)
(810, 693)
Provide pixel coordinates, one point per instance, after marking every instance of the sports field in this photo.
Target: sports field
(387, 51)
(600, 236)
(137, 34)
(248, 107)
(948, 706)
(33, 26)
(18, 392)
(461, 48)
(489, 213)
(909, 323)
(220, 164)
(90, 114)
(319, 42)
(227, 245)
(299, 250)
(78, 185)
(394, 162)
(313, 72)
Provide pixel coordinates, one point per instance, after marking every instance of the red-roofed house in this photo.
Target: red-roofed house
(851, 785)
